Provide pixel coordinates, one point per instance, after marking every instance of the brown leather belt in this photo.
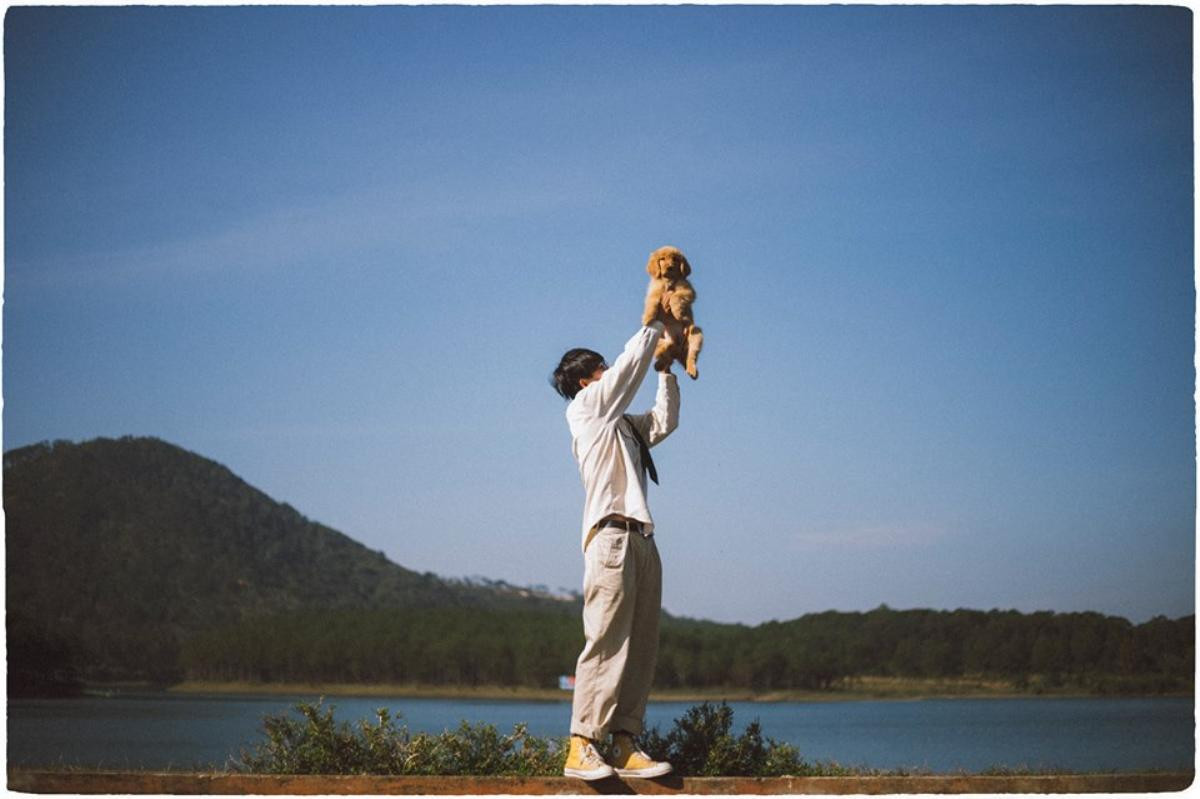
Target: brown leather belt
(624, 524)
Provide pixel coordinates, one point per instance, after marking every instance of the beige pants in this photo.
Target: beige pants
(622, 596)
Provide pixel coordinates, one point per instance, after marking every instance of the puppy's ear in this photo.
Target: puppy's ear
(653, 266)
(683, 262)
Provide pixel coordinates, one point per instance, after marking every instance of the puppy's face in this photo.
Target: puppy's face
(668, 263)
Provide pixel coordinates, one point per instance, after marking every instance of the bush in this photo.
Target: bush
(316, 744)
(700, 744)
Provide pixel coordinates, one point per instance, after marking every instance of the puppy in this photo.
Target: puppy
(669, 300)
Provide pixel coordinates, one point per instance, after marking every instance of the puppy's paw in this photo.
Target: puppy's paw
(650, 311)
(692, 371)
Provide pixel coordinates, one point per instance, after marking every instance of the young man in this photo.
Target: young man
(622, 582)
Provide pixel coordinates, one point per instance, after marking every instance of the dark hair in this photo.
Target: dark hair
(575, 365)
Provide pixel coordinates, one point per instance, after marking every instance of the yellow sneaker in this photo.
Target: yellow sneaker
(584, 762)
(633, 762)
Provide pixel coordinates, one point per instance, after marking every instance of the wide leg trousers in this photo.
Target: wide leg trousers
(622, 596)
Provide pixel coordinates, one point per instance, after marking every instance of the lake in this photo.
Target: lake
(157, 730)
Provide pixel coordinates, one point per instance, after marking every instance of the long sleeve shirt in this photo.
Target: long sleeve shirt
(609, 458)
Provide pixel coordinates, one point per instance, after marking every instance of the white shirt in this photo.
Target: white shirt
(608, 455)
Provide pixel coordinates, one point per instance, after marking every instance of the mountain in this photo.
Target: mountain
(134, 559)
(117, 550)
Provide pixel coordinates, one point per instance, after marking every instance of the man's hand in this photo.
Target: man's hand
(651, 310)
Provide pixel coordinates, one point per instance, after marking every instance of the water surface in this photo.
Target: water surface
(156, 730)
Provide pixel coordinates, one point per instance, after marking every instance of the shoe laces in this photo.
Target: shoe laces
(589, 755)
(632, 751)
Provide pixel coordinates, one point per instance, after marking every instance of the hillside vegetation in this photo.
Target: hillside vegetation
(119, 550)
(817, 652)
(134, 559)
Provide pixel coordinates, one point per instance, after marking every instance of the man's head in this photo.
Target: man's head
(577, 368)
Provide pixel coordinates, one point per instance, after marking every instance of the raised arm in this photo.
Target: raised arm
(663, 418)
(609, 396)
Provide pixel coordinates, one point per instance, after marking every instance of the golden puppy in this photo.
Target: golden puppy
(669, 300)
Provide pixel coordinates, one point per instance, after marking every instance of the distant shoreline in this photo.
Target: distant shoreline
(864, 688)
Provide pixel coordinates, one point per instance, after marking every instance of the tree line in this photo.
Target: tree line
(133, 559)
(463, 646)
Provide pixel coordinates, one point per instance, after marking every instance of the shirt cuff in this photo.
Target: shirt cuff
(665, 376)
(657, 325)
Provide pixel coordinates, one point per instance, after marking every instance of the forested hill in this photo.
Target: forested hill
(134, 559)
(119, 549)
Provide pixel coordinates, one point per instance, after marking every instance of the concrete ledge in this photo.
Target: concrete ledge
(172, 782)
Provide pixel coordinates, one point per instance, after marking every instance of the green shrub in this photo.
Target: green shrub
(700, 744)
(316, 744)
(481, 750)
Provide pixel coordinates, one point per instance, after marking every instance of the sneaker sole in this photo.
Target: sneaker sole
(661, 770)
(594, 774)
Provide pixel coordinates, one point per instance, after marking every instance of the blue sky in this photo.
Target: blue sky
(944, 258)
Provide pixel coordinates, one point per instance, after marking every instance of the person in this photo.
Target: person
(622, 583)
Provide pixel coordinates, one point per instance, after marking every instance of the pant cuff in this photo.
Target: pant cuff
(627, 724)
(594, 733)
